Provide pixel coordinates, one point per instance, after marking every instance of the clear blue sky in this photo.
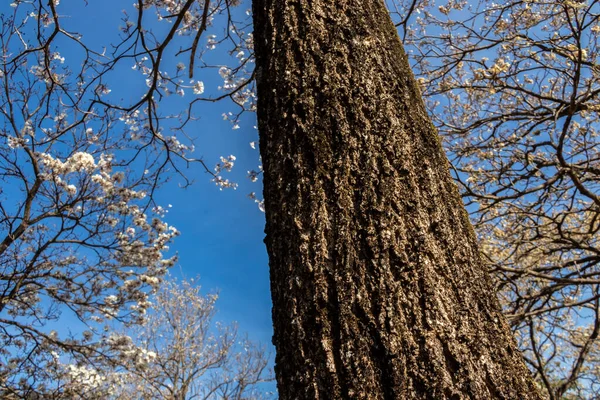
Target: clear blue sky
(221, 231)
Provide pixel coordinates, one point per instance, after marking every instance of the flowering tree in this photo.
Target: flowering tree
(81, 237)
(513, 88)
(179, 353)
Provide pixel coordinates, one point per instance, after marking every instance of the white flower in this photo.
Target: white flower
(14, 142)
(253, 175)
(224, 183)
(226, 164)
(71, 190)
(81, 161)
(150, 280)
(56, 56)
(199, 87)
(102, 89)
(224, 72)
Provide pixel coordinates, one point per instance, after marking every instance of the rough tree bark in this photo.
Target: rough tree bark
(378, 290)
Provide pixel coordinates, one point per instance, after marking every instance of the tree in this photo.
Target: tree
(62, 112)
(513, 87)
(378, 289)
(179, 353)
(81, 233)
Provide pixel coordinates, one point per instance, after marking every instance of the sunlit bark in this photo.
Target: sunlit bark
(377, 285)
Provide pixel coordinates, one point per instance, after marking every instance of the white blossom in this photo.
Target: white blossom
(199, 88)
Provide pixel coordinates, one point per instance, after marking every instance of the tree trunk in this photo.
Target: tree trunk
(378, 289)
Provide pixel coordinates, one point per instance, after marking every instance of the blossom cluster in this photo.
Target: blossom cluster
(226, 165)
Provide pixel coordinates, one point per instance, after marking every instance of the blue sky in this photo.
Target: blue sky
(221, 231)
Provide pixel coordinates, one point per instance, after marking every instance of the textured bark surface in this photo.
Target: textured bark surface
(377, 286)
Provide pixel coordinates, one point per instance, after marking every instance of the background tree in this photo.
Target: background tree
(513, 88)
(179, 353)
(378, 289)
